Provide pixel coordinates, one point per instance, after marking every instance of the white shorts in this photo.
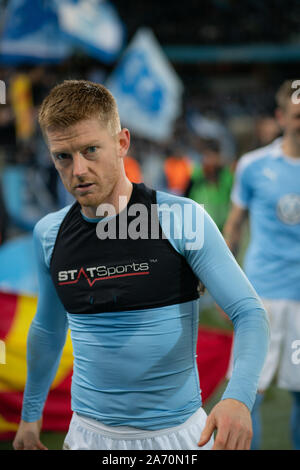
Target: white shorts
(89, 434)
(284, 317)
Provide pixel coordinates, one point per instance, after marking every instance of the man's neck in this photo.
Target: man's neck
(290, 148)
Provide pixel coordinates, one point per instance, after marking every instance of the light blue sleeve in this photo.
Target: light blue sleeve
(242, 190)
(47, 333)
(213, 263)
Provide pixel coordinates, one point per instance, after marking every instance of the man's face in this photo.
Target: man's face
(289, 120)
(88, 160)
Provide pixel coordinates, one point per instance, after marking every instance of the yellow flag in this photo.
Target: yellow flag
(22, 103)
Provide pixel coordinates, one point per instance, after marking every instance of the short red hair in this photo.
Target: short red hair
(76, 100)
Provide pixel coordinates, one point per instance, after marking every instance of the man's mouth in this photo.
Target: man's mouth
(83, 186)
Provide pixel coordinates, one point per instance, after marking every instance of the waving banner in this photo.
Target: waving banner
(93, 25)
(47, 31)
(31, 33)
(147, 89)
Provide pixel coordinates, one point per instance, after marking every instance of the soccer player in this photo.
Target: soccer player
(126, 287)
(267, 186)
(211, 182)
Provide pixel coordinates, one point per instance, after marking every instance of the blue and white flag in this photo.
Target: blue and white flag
(93, 25)
(147, 89)
(31, 33)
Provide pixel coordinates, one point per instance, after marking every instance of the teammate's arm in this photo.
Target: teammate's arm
(46, 338)
(241, 197)
(232, 230)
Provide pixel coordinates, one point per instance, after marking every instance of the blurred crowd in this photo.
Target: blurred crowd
(211, 22)
(211, 133)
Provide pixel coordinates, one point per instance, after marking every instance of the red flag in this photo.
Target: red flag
(213, 357)
(16, 314)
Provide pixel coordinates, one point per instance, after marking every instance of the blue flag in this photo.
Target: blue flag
(31, 33)
(94, 26)
(147, 89)
(18, 271)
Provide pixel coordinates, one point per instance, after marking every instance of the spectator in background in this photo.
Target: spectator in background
(132, 169)
(150, 157)
(7, 133)
(210, 184)
(211, 181)
(177, 171)
(267, 186)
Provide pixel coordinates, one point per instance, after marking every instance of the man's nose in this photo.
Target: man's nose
(79, 165)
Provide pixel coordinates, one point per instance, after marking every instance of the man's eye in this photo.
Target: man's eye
(91, 149)
(61, 156)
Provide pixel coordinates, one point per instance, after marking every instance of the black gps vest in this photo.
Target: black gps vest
(93, 275)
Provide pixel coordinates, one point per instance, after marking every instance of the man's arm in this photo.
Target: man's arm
(214, 264)
(232, 230)
(46, 338)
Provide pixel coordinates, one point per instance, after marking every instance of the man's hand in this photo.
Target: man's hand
(28, 436)
(233, 422)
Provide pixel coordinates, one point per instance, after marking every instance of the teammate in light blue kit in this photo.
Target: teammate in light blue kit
(268, 187)
(135, 382)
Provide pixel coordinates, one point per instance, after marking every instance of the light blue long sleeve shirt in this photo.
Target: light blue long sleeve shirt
(138, 368)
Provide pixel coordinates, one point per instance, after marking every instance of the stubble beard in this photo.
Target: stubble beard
(100, 195)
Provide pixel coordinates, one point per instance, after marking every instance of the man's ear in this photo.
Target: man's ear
(123, 142)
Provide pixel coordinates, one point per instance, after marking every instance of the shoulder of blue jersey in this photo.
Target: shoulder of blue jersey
(49, 221)
(172, 199)
(256, 156)
(46, 230)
